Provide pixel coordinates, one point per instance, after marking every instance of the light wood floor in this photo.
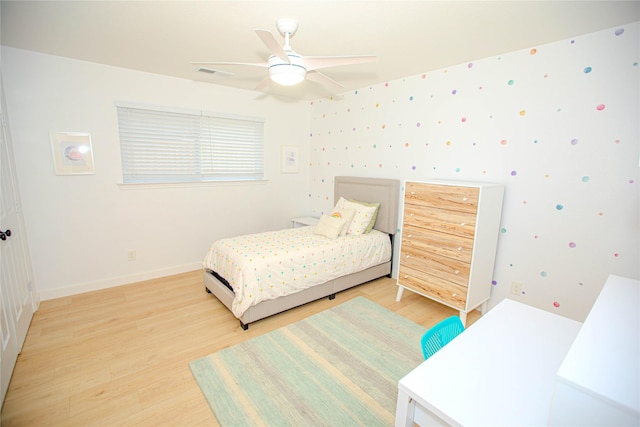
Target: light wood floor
(120, 356)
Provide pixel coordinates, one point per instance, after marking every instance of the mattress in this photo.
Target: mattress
(268, 265)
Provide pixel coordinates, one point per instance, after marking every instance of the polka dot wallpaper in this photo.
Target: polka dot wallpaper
(557, 124)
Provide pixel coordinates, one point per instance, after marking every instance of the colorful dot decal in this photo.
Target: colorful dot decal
(554, 142)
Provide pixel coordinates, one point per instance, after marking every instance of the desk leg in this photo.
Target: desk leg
(399, 294)
(405, 410)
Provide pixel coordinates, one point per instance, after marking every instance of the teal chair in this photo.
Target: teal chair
(440, 335)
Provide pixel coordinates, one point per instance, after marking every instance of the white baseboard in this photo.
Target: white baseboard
(116, 281)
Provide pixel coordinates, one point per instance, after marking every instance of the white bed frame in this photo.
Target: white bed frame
(385, 191)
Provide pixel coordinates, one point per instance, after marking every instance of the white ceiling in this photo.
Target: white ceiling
(409, 37)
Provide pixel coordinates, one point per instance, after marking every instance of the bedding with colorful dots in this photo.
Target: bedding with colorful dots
(268, 265)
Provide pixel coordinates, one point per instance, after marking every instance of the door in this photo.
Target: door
(16, 284)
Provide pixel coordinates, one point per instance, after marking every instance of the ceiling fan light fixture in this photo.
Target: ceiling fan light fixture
(287, 75)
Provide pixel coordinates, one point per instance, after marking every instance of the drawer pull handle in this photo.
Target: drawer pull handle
(410, 236)
(410, 214)
(408, 256)
(459, 248)
(413, 192)
(455, 295)
(462, 224)
(464, 199)
(457, 272)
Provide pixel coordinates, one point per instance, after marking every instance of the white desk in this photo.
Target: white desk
(500, 371)
(599, 380)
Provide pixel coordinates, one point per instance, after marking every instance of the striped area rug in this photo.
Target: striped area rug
(339, 367)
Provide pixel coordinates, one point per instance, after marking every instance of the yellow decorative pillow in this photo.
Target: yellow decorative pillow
(329, 226)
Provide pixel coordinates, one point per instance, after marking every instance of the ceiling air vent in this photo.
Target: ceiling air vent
(216, 72)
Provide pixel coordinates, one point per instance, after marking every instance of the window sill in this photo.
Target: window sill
(168, 185)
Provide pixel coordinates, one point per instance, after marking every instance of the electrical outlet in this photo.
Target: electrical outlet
(516, 288)
(131, 255)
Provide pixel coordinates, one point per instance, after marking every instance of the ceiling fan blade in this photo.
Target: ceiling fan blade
(318, 77)
(318, 62)
(263, 84)
(272, 44)
(251, 64)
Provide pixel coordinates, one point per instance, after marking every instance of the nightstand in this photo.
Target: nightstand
(304, 221)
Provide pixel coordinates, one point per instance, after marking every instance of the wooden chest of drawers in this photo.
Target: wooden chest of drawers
(449, 239)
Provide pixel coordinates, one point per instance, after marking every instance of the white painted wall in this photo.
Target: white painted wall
(81, 227)
(558, 125)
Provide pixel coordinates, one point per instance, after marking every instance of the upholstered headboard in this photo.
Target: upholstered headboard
(385, 191)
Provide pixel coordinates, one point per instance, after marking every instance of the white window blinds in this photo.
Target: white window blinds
(167, 146)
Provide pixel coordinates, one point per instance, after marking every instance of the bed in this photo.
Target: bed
(386, 192)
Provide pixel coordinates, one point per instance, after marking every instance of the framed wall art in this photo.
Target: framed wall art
(290, 159)
(72, 153)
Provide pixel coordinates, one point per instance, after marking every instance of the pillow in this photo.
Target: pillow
(375, 214)
(329, 226)
(347, 215)
(363, 217)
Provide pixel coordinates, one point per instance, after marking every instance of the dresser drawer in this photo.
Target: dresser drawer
(461, 199)
(433, 287)
(459, 248)
(444, 221)
(448, 269)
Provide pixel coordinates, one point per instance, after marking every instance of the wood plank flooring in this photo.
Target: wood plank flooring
(120, 356)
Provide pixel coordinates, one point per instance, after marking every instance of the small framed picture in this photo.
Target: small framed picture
(72, 153)
(290, 159)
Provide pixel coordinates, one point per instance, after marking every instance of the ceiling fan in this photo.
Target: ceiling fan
(287, 68)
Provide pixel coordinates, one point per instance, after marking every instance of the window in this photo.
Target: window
(163, 146)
